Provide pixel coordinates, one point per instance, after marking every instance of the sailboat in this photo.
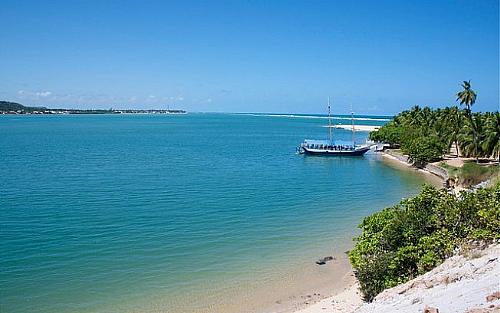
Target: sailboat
(330, 147)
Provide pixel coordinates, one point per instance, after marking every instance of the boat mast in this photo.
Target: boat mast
(329, 121)
(352, 123)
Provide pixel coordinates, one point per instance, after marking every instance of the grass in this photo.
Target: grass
(472, 173)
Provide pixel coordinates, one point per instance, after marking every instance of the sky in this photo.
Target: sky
(380, 57)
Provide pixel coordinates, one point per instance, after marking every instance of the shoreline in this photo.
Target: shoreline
(429, 169)
(344, 296)
(291, 291)
(349, 298)
(297, 290)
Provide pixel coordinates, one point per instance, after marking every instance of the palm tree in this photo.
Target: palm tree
(413, 116)
(492, 137)
(422, 119)
(428, 117)
(467, 97)
(451, 124)
(472, 137)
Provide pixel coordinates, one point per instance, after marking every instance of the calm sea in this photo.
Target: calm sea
(118, 213)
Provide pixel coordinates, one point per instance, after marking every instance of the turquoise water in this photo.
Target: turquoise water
(111, 213)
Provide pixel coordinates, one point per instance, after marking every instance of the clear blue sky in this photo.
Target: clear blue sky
(249, 56)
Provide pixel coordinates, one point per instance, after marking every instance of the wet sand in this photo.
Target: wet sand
(291, 290)
(400, 165)
(294, 291)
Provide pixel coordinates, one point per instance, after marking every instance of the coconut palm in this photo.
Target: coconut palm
(451, 125)
(491, 143)
(467, 96)
(428, 117)
(413, 116)
(471, 140)
(420, 118)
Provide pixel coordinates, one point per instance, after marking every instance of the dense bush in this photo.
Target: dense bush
(416, 235)
(421, 150)
(390, 133)
(472, 174)
(426, 134)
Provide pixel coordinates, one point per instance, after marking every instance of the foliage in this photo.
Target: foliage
(424, 149)
(416, 235)
(471, 173)
(424, 131)
(451, 122)
(467, 96)
(473, 137)
(390, 133)
(426, 135)
(491, 144)
(6, 106)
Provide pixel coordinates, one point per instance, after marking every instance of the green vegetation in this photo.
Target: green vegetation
(472, 174)
(6, 106)
(425, 135)
(424, 149)
(491, 141)
(411, 238)
(467, 97)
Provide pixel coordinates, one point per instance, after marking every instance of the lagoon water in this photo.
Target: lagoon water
(138, 213)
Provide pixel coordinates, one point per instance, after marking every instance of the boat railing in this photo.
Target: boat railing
(328, 147)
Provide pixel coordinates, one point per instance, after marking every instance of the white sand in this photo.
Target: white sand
(346, 301)
(363, 128)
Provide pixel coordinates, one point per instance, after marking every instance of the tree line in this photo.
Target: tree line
(426, 134)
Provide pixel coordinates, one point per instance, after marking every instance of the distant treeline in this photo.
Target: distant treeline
(7, 107)
(425, 135)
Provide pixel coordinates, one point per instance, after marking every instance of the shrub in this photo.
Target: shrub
(422, 150)
(416, 235)
(472, 173)
(390, 133)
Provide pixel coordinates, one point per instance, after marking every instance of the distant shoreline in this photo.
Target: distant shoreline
(361, 128)
(13, 108)
(87, 112)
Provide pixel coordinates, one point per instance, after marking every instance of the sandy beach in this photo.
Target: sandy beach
(400, 164)
(295, 291)
(345, 301)
(362, 128)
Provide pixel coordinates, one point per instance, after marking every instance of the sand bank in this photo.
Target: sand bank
(363, 128)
